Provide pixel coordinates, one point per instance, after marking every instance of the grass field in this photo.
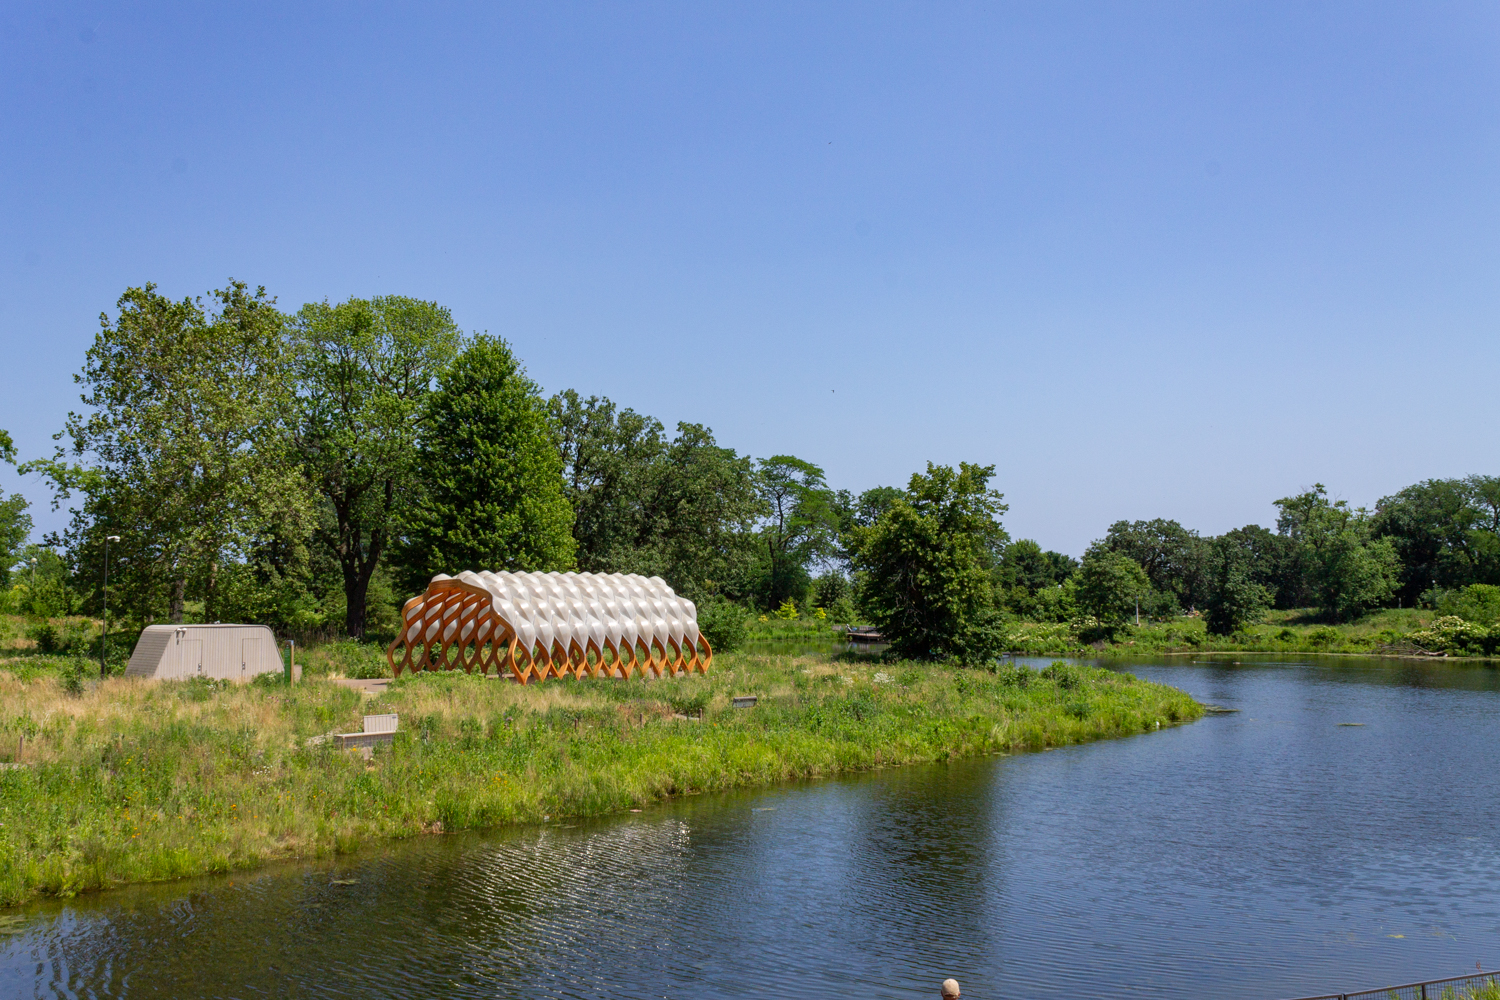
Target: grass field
(129, 781)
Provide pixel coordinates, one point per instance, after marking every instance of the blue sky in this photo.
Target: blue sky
(1149, 260)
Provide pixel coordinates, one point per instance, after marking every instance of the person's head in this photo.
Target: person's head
(950, 989)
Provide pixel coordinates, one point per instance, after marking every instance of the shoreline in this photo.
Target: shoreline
(135, 782)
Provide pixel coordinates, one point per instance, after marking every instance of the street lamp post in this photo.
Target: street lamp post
(104, 626)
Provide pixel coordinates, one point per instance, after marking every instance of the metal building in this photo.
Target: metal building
(223, 652)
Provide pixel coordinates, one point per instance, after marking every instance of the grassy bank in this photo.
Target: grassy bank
(1387, 632)
(132, 781)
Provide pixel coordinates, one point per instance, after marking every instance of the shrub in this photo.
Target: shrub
(67, 638)
(1064, 675)
(1324, 635)
(687, 700)
(72, 675)
(830, 588)
(45, 635)
(723, 625)
(1454, 635)
(348, 657)
(1478, 603)
(841, 611)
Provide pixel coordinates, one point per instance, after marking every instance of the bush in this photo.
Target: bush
(841, 611)
(1324, 635)
(45, 635)
(1064, 675)
(1452, 634)
(831, 588)
(73, 675)
(723, 625)
(1478, 603)
(68, 638)
(687, 700)
(348, 657)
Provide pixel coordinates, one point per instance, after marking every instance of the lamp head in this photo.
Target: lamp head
(111, 538)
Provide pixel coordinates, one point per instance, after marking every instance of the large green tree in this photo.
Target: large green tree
(801, 525)
(1276, 562)
(1174, 557)
(1109, 584)
(682, 509)
(923, 564)
(609, 458)
(493, 488)
(1026, 564)
(183, 448)
(364, 370)
(1351, 571)
(15, 523)
(1446, 533)
(1235, 599)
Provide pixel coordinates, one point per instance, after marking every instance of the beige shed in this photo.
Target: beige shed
(224, 652)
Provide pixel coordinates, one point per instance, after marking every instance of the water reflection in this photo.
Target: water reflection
(1270, 852)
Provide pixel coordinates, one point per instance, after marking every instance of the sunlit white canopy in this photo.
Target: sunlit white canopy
(539, 625)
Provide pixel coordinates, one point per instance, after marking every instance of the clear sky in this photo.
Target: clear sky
(1149, 260)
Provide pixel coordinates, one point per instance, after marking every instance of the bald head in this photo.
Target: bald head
(950, 989)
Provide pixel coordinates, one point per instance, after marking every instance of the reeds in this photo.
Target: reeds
(137, 781)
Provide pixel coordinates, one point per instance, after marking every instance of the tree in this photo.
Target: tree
(925, 584)
(1478, 603)
(608, 457)
(1109, 584)
(15, 523)
(698, 510)
(1025, 564)
(493, 495)
(801, 525)
(1445, 531)
(183, 447)
(15, 529)
(1172, 556)
(858, 512)
(1235, 599)
(365, 367)
(1351, 572)
(1276, 562)
(681, 509)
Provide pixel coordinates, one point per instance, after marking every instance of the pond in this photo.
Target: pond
(1340, 829)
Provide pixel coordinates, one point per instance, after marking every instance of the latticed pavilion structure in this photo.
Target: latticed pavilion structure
(540, 625)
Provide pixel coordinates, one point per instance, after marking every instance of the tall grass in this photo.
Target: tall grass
(136, 780)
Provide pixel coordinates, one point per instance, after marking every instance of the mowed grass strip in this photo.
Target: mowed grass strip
(137, 781)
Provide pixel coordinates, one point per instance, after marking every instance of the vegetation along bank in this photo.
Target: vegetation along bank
(130, 781)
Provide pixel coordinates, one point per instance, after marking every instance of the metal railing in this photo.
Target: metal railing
(1456, 988)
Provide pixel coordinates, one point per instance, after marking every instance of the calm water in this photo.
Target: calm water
(1263, 854)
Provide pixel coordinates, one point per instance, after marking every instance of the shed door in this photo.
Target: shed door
(249, 657)
(192, 658)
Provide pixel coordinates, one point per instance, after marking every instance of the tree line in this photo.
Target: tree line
(312, 468)
(1416, 548)
(301, 468)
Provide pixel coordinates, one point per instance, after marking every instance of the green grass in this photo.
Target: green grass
(1298, 631)
(135, 781)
